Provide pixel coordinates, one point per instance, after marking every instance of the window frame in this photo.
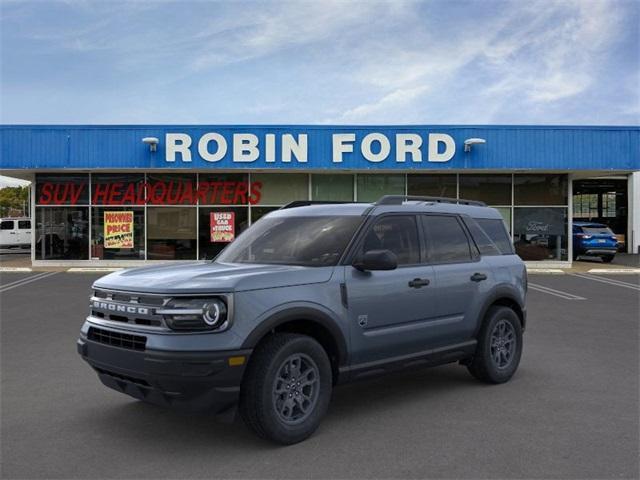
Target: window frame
(474, 254)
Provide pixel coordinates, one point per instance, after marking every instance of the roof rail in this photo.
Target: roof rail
(306, 203)
(399, 199)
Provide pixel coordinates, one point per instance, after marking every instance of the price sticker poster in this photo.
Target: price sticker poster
(118, 229)
(223, 227)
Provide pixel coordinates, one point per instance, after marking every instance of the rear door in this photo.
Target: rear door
(461, 277)
(390, 311)
(24, 232)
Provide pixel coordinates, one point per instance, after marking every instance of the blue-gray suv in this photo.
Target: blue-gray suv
(313, 295)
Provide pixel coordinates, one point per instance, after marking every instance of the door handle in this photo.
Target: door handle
(478, 277)
(418, 282)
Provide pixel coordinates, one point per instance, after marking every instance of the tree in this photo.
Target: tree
(14, 201)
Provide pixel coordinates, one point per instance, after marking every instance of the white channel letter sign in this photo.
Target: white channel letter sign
(374, 147)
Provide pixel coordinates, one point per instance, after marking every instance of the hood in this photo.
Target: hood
(208, 277)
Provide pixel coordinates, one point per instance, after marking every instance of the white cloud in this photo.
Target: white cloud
(399, 98)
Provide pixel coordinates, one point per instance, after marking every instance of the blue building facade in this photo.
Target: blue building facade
(130, 194)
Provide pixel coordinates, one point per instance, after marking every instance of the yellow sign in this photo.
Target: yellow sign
(118, 229)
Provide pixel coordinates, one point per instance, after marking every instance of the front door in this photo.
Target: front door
(8, 233)
(390, 311)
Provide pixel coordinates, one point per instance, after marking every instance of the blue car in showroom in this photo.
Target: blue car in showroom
(594, 239)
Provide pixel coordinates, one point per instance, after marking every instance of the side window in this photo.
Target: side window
(446, 240)
(495, 229)
(6, 225)
(24, 224)
(398, 234)
(481, 239)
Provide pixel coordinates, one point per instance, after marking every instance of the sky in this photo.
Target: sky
(320, 62)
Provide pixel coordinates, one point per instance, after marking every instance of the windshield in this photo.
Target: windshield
(309, 241)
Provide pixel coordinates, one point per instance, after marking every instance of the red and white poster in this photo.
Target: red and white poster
(223, 227)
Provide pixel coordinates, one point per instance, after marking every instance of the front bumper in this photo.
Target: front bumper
(189, 380)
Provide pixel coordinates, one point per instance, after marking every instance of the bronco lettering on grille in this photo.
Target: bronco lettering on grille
(115, 307)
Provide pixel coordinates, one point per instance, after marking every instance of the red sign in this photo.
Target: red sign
(223, 229)
(155, 193)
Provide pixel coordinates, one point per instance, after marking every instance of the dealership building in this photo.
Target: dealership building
(122, 195)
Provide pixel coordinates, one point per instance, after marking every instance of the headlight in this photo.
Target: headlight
(195, 314)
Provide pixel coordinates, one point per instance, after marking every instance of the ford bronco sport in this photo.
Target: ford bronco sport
(310, 296)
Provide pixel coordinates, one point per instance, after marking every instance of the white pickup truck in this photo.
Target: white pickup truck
(15, 232)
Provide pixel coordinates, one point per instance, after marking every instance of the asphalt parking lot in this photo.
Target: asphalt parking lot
(571, 411)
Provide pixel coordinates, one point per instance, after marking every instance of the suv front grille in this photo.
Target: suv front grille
(117, 339)
(122, 307)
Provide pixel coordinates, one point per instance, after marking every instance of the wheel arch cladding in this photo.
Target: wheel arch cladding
(306, 321)
(504, 298)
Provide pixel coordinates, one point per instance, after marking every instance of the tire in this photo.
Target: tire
(268, 402)
(492, 366)
(608, 258)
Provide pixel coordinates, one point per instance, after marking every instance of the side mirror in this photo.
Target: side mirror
(376, 260)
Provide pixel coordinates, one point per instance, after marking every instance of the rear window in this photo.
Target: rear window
(597, 230)
(24, 224)
(495, 229)
(6, 225)
(481, 239)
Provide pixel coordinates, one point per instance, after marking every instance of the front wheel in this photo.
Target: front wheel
(608, 258)
(287, 388)
(499, 346)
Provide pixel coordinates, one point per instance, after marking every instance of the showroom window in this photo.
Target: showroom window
(62, 233)
(171, 189)
(491, 189)
(541, 189)
(373, 186)
(432, 185)
(540, 233)
(62, 189)
(171, 233)
(117, 189)
(332, 187)
(227, 189)
(117, 233)
(281, 188)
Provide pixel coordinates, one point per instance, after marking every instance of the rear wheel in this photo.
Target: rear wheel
(499, 346)
(287, 388)
(608, 258)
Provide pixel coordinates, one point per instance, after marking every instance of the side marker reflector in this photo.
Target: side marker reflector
(236, 361)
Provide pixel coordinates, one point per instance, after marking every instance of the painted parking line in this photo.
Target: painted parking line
(556, 293)
(609, 281)
(615, 270)
(24, 281)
